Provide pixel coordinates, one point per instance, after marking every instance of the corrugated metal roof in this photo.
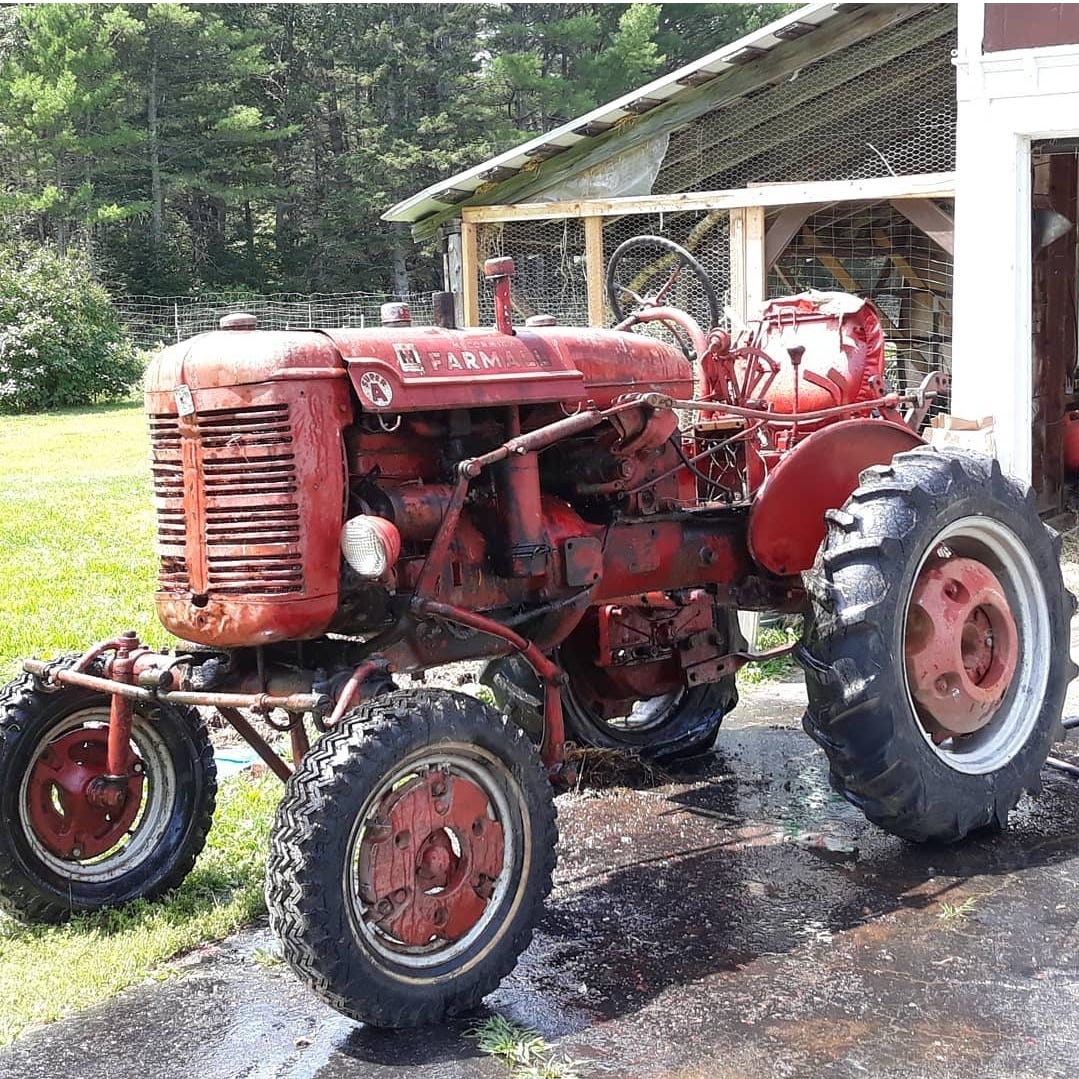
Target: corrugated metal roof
(745, 50)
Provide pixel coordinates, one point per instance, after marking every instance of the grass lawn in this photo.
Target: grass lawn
(76, 561)
(77, 565)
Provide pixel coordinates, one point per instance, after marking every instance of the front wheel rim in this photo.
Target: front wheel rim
(143, 830)
(447, 876)
(1010, 662)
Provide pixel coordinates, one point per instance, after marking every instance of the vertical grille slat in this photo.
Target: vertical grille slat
(252, 534)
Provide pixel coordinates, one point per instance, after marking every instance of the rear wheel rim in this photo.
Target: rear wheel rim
(1019, 666)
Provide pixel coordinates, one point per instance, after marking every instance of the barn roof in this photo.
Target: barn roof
(510, 175)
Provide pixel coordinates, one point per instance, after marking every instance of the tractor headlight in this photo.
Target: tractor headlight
(370, 544)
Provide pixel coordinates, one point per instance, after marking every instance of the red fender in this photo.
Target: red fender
(786, 520)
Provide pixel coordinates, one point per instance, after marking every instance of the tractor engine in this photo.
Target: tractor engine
(301, 476)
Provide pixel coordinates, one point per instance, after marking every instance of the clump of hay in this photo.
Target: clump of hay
(598, 767)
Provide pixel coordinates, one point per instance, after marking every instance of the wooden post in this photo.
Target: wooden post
(470, 273)
(756, 275)
(748, 269)
(593, 265)
(738, 262)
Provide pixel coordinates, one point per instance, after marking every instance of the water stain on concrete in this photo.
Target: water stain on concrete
(737, 919)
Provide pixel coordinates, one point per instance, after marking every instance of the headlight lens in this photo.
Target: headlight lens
(370, 545)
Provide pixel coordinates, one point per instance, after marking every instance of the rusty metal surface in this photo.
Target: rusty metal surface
(786, 521)
(427, 868)
(249, 491)
(962, 645)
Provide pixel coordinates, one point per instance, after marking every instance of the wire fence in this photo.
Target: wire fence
(155, 321)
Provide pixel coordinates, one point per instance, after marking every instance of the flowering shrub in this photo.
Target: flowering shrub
(61, 342)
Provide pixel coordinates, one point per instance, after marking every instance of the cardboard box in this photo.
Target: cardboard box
(966, 434)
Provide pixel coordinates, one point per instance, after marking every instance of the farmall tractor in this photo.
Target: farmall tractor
(585, 509)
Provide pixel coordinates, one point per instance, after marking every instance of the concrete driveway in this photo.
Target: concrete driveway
(735, 920)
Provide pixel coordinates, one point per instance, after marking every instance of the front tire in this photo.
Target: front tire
(936, 656)
(61, 855)
(410, 858)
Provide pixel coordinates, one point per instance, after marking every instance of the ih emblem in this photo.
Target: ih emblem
(377, 389)
(408, 359)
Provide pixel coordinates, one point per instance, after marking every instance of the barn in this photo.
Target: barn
(820, 152)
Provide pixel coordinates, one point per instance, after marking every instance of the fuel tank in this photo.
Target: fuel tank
(409, 369)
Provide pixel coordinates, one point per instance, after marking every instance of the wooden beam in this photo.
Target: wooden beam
(876, 189)
(910, 275)
(784, 228)
(593, 265)
(927, 216)
(470, 273)
(737, 263)
(829, 261)
(756, 267)
(777, 64)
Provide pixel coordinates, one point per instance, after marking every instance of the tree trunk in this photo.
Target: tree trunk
(157, 213)
(400, 268)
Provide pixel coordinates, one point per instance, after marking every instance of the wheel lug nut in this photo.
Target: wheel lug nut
(76, 852)
(941, 685)
(400, 895)
(384, 906)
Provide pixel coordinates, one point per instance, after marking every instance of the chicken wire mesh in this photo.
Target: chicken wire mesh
(551, 273)
(872, 250)
(155, 321)
(883, 106)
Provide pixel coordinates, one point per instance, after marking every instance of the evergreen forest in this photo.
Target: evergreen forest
(178, 148)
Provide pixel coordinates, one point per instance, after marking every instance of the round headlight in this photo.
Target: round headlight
(370, 544)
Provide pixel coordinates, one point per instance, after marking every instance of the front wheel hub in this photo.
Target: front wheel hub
(428, 864)
(962, 646)
(76, 811)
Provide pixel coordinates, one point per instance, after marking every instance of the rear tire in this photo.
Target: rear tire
(891, 754)
(671, 725)
(359, 921)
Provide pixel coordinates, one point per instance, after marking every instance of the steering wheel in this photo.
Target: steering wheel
(645, 270)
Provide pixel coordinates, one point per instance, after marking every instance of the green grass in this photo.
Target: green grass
(50, 971)
(770, 669)
(76, 561)
(76, 565)
(525, 1052)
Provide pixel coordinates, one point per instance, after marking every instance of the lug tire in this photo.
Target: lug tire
(691, 726)
(37, 887)
(319, 827)
(860, 709)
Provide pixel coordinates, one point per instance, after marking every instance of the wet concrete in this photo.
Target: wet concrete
(735, 920)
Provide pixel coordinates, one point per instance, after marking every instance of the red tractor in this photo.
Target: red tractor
(586, 509)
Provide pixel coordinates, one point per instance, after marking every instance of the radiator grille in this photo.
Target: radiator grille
(250, 520)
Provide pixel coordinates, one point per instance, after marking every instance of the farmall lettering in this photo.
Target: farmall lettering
(532, 503)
